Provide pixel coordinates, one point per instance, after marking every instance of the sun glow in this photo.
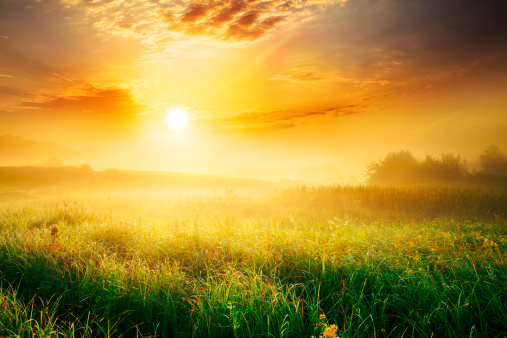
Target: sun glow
(176, 118)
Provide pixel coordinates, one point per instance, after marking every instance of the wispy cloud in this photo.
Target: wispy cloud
(309, 74)
(305, 74)
(90, 100)
(283, 119)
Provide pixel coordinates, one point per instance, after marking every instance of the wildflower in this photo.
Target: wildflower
(488, 242)
(330, 332)
(322, 317)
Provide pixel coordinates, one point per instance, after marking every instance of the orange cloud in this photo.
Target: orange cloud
(89, 100)
(231, 20)
(195, 13)
(227, 14)
(303, 74)
(283, 119)
(86, 113)
(248, 19)
(317, 73)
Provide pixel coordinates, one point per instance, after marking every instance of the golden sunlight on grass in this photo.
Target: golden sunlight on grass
(176, 118)
(320, 262)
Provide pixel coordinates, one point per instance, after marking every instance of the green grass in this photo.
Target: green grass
(377, 262)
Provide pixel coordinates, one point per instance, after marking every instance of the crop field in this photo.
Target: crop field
(329, 261)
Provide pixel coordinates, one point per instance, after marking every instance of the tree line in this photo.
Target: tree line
(402, 167)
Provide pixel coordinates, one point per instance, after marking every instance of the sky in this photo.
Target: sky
(283, 89)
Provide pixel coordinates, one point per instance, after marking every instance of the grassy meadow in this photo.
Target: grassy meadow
(331, 261)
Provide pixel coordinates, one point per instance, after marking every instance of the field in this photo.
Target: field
(296, 262)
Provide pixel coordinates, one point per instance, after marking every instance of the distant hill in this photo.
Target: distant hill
(164, 179)
(111, 180)
(16, 150)
(39, 177)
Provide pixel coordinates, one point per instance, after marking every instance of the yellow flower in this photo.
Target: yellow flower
(322, 317)
(330, 332)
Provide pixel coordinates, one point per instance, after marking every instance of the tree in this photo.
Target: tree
(444, 170)
(403, 168)
(397, 167)
(453, 166)
(494, 162)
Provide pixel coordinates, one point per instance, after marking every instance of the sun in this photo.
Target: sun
(176, 118)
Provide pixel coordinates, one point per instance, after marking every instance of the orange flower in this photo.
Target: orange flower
(330, 332)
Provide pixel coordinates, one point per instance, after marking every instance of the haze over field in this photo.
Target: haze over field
(299, 89)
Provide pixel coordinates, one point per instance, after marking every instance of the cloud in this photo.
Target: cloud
(329, 112)
(257, 130)
(304, 74)
(283, 119)
(195, 13)
(89, 100)
(374, 97)
(314, 74)
(343, 110)
(161, 21)
(248, 19)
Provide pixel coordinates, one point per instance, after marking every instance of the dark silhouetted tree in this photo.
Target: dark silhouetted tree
(493, 162)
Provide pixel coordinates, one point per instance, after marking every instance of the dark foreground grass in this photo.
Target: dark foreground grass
(329, 261)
